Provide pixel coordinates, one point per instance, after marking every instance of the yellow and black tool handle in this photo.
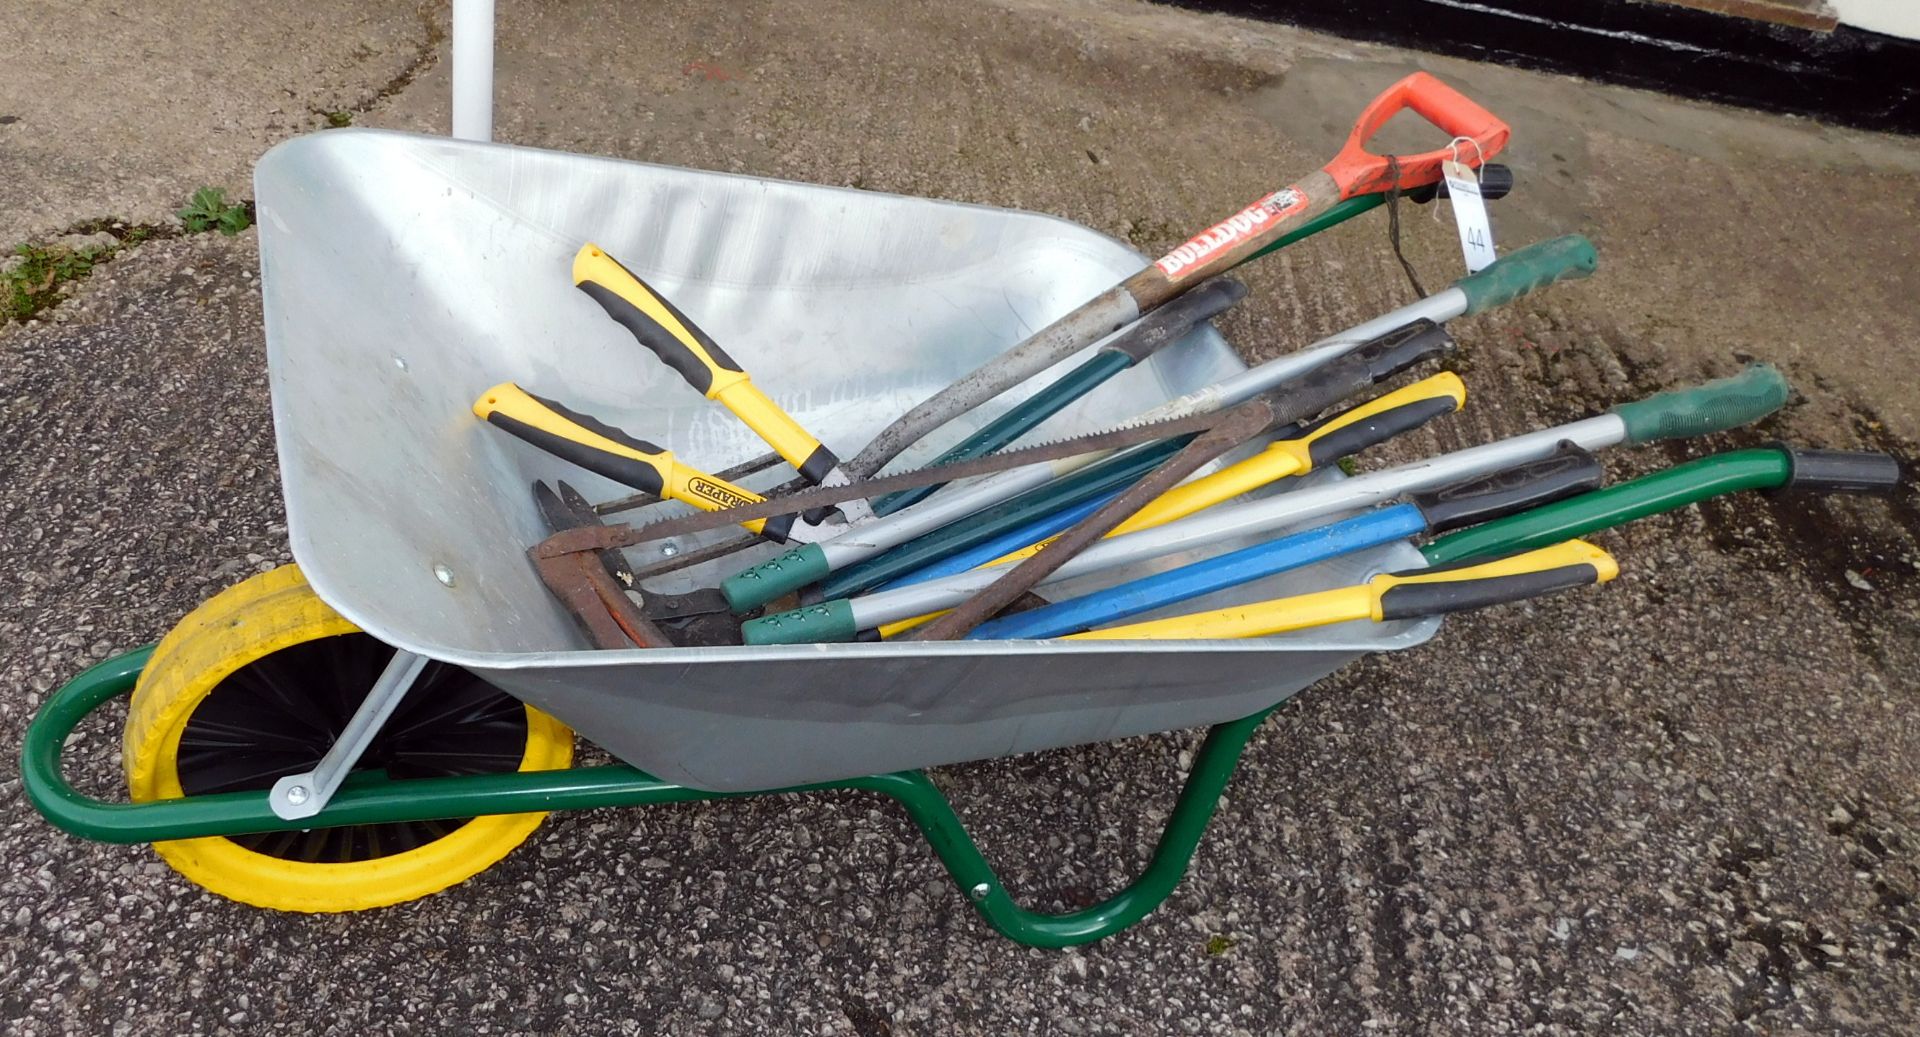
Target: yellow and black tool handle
(1372, 423)
(681, 345)
(605, 450)
(1403, 595)
(1475, 584)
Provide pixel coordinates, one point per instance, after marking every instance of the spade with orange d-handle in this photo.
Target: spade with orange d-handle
(694, 356)
(1477, 136)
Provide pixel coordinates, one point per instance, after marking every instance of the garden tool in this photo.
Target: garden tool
(1727, 403)
(1389, 596)
(1351, 173)
(1509, 278)
(697, 618)
(607, 451)
(1319, 443)
(1135, 343)
(694, 356)
(1569, 471)
(1032, 515)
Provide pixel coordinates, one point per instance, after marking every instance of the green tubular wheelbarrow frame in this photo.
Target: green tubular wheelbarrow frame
(369, 799)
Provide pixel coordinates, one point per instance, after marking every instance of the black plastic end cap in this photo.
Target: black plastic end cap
(1496, 181)
(1840, 471)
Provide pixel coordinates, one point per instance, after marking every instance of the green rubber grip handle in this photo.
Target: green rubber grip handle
(784, 573)
(827, 622)
(1723, 403)
(1529, 269)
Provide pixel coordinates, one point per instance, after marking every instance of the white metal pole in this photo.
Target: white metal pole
(473, 69)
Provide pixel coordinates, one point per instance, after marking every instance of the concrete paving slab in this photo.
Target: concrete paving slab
(1776, 237)
(125, 109)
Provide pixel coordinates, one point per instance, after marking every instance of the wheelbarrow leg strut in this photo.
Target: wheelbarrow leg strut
(304, 795)
(381, 800)
(1213, 766)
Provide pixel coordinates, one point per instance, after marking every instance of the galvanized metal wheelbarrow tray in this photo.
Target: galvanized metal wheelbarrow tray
(403, 274)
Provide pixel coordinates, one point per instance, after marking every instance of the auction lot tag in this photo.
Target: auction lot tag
(1469, 215)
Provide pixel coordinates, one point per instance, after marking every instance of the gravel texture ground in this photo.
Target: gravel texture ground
(1686, 803)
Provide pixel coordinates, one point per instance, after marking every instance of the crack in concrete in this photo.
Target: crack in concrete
(423, 59)
(127, 236)
(130, 235)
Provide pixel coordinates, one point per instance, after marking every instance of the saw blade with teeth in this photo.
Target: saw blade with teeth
(1117, 438)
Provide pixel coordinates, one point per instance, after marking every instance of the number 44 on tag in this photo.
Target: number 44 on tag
(1469, 214)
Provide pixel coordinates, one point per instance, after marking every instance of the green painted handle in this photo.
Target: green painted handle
(829, 621)
(1342, 211)
(784, 573)
(1534, 267)
(1723, 403)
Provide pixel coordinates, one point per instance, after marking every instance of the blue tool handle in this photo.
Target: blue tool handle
(1370, 529)
(1026, 536)
(1111, 473)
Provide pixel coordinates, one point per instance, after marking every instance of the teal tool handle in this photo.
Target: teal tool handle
(1110, 473)
(1132, 344)
(782, 574)
(829, 622)
(1015, 423)
(1723, 403)
(1529, 269)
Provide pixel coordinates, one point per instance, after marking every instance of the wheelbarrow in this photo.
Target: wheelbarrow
(402, 274)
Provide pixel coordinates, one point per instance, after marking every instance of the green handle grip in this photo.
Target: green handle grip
(1723, 403)
(829, 621)
(1534, 267)
(1341, 212)
(784, 573)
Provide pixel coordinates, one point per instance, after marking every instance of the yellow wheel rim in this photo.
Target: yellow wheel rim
(245, 623)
